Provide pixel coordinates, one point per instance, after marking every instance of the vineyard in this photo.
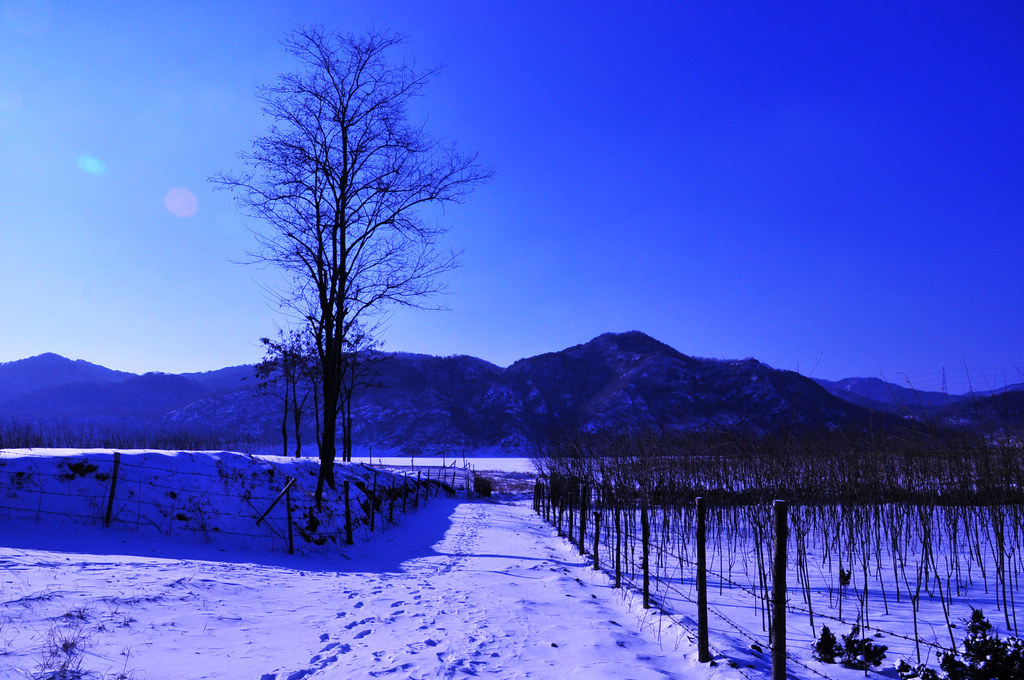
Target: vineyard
(889, 542)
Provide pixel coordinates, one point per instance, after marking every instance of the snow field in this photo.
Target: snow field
(228, 499)
(455, 589)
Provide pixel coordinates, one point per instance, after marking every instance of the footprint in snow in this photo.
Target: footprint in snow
(363, 633)
(353, 624)
(417, 647)
(391, 671)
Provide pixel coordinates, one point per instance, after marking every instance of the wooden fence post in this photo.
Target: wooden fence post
(560, 511)
(570, 498)
(373, 503)
(703, 645)
(288, 504)
(597, 538)
(645, 564)
(348, 515)
(618, 544)
(113, 489)
(584, 503)
(779, 594)
(286, 493)
(391, 502)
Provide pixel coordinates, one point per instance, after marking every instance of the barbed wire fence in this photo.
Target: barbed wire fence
(131, 492)
(652, 541)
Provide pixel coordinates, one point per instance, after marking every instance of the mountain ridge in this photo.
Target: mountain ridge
(423, 403)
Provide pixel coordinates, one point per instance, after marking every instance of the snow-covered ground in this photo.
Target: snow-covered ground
(185, 583)
(456, 588)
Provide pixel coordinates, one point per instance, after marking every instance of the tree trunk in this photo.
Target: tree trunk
(347, 434)
(284, 426)
(328, 450)
(316, 419)
(297, 416)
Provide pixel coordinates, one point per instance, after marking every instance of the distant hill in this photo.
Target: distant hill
(877, 394)
(419, 403)
(1000, 412)
(616, 381)
(991, 411)
(21, 378)
(631, 380)
(225, 379)
(123, 403)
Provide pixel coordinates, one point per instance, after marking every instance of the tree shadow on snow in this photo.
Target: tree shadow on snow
(384, 552)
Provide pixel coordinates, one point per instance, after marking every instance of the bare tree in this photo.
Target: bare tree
(342, 179)
(362, 352)
(270, 382)
(283, 372)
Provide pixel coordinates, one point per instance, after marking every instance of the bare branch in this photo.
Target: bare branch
(340, 180)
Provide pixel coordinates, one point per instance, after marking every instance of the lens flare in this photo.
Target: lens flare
(92, 165)
(181, 202)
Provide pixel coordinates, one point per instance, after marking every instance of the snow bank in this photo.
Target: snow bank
(226, 499)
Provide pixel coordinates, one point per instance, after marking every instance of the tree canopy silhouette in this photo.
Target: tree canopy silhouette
(342, 181)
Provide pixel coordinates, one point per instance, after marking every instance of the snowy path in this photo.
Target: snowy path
(462, 589)
(496, 598)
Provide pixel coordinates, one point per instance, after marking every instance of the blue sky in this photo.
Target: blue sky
(834, 188)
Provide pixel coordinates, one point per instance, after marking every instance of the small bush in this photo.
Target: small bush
(860, 652)
(854, 651)
(827, 648)
(986, 657)
(907, 672)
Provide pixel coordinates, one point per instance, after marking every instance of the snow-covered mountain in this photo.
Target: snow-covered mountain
(877, 394)
(999, 410)
(24, 377)
(422, 403)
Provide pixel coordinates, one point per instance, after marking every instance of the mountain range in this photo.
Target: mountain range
(428, 404)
